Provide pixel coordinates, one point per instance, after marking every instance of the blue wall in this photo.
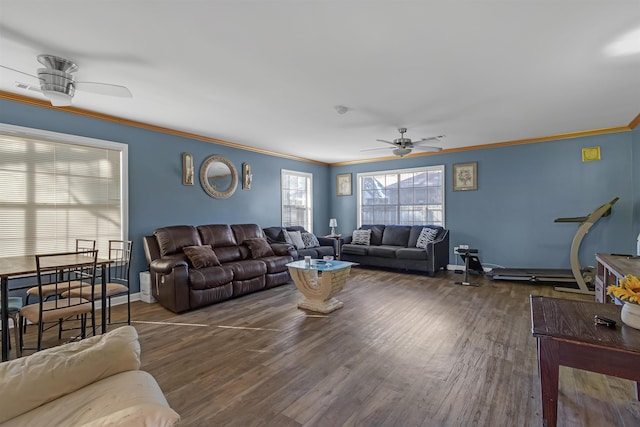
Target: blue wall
(157, 197)
(521, 190)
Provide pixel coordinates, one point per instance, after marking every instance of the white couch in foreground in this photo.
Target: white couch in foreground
(89, 383)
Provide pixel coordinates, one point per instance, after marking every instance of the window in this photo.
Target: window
(407, 196)
(297, 199)
(57, 188)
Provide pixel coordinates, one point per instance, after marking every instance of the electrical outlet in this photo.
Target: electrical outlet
(464, 246)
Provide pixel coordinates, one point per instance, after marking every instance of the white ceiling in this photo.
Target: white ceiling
(268, 74)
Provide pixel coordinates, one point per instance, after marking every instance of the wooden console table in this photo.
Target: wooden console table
(612, 268)
(567, 336)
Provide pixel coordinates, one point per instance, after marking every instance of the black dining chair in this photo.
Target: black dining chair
(59, 271)
(117, 276)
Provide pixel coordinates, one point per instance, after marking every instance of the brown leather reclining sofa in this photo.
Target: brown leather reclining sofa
(193, 267)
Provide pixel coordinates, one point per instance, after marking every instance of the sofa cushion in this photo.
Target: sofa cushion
(217, 235)
(229, 254)
(172, 239)
(296, 238)
(276, 264)
(310, 240)
(130, 398)
(29, 382)
(383, 251)
(361, 237)
(210, 277)
(412, 253)
(396, 235)
(427, 235)
(244, 232)
(259, 248)
(201, 256)
(248, 269)
(349, 248)
(376, 232)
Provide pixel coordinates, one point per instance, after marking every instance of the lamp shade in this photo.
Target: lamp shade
(333, 222)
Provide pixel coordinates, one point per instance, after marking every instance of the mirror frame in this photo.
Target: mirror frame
(205, 183)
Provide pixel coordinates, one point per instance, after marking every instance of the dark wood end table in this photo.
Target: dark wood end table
(567, 335)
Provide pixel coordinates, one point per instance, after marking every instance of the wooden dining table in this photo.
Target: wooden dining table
(25, 265)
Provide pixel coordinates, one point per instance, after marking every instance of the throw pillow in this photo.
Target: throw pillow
(296, 239)
(310, 240)
(287, 238)
(361, 237)
(201, 256)
(427, 235)
(259, 248)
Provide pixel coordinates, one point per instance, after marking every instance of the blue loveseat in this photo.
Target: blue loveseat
(394, 246)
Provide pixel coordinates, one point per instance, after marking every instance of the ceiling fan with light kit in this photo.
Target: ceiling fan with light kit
(58, 85)
(403, 146)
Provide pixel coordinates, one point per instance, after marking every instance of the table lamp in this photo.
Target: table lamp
(333, 223)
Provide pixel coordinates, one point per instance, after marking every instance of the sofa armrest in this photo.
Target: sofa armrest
(170, 283)
(347, 239)
(166, 265)
(439, 252)
(330, 241)
(44, 376)
(284, 249)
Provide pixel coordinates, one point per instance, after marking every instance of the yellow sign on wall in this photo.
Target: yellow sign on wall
(591, 153)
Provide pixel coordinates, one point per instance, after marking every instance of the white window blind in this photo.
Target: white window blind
(297, 199)
(53, 193)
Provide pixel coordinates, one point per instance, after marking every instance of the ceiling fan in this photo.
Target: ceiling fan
(59, 85)
(403, 146)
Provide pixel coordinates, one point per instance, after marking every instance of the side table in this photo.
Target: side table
(566, 335)
(338, 238)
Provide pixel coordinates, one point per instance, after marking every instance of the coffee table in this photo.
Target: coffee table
(319, 290)
(567, 336)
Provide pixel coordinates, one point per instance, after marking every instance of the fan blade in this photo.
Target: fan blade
(377, 149)
(433, 138)
(27, 87)
(388, 142)
(426, 148)
(18, 71)
(104, 89)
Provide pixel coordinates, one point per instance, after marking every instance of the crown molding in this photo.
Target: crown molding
(92, 114)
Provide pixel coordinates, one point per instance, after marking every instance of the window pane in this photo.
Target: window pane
(410, 196)
(54, 193)
(296, 199)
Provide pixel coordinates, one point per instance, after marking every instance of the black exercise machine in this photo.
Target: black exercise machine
(584, 277)
(471, 262)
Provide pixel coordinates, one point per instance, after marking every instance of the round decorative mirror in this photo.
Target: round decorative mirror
(218, 177)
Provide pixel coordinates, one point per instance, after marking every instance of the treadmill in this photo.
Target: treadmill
(583, 277)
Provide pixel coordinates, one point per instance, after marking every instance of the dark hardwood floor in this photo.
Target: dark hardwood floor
(406, 350)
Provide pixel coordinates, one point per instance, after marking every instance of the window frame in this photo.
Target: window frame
(426, 169)
(309, 199)
(62, 138)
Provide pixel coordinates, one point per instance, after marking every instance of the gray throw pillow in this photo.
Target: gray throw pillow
(361, 237)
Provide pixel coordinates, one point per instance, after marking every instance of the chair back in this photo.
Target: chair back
(120, 256)
(84, 245)
(61, 270)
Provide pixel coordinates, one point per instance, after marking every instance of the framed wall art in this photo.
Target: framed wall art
(343, 184)
(465, 176)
